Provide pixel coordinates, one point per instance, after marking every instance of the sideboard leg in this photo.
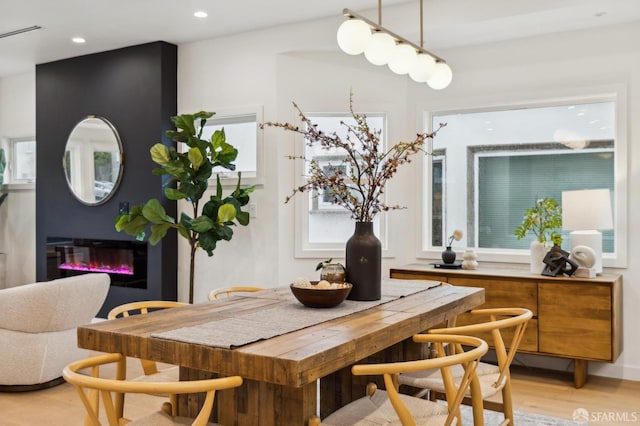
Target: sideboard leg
(580, 370)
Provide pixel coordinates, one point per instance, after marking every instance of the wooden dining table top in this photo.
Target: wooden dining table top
(292, 359)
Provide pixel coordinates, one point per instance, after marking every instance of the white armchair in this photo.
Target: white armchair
(38, 322)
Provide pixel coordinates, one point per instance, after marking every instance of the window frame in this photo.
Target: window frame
(616, 94)
(229, 178)
(10, 153)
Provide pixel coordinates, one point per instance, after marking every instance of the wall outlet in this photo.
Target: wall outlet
(253, 210)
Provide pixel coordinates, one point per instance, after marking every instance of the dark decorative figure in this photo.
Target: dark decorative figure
(557, 262)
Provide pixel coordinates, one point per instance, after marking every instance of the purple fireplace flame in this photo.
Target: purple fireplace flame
(121, 269)
(124, 261)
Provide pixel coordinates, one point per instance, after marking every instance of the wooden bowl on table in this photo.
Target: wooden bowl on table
(314, 296)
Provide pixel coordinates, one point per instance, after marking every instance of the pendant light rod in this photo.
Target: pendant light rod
(351, 14)
(421, 25)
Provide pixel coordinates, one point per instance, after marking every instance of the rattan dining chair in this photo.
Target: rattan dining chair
(386, 407)
(92, 388)
(491, 379)
(229, 291)
(150, 368)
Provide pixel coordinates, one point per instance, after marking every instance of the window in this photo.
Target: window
(241, 130)
(22, 160)
(487, 167)
(323, 228)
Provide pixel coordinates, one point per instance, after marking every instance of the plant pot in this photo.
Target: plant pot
(448, 255)
(538, 252)
(363, 259)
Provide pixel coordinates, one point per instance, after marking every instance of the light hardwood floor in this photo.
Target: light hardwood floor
(534, 391)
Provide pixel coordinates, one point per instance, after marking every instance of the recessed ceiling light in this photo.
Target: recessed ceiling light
(201, 14)
(78, 40)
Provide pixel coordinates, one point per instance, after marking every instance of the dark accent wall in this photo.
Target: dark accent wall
(135, 88)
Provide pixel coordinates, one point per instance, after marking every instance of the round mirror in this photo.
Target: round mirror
(93, 160)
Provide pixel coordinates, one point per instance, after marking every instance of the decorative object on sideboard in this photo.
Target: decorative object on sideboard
(585, 257)
(542, 220)
(358, 188)
(470, 259)
(586, 212)
(449, 255)
(557, 262)
(382, 47)
(191, 171)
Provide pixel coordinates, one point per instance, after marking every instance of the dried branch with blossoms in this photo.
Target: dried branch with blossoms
(359, 186)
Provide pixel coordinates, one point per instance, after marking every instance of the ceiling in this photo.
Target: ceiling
(113, 24)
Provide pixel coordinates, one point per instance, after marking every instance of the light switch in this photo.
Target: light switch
(253, 210)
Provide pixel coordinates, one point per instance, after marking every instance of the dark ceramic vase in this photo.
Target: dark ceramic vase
(448, 255)
(363, 258)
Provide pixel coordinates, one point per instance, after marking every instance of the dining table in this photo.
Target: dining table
(295, 361)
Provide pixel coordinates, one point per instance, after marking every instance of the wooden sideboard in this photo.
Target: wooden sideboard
(576, 318)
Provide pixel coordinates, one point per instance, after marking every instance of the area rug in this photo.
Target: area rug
(521, 418)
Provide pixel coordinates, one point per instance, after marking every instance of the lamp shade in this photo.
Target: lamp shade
(403, 59)
(353, 36)
(423, 68)
(587, 209)
(380, 48)
(441, 77)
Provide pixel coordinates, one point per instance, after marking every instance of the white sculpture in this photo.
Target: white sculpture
(469, 259)
(585, 257)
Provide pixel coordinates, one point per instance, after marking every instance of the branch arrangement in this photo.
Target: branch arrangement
(357, 182)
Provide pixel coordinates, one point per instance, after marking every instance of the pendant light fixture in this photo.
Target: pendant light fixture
(380, 46)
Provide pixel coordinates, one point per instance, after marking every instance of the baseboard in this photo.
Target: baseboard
(33, 387)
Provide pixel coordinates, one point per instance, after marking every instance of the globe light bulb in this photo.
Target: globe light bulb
(353, 36)
(423, 68)
(380, 48)
(403, 59)
(441, 77)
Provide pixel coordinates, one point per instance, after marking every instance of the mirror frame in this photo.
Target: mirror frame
(118, 179)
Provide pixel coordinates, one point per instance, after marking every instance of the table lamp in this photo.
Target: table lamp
(586, 212)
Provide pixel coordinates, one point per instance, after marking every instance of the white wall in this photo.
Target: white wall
(300, 62)
(18, 213)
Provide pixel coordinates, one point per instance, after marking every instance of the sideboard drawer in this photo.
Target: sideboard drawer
(575, 320)
(503, 293)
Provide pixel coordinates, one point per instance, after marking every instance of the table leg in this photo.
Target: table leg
(580, 371)
(340, 388)
(254, 403)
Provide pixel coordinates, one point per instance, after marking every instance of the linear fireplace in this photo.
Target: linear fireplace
(124, 261)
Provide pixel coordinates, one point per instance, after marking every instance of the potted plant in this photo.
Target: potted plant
(542, 220)
(356, 183)
(331, 271)
(189, 174)
(449, 255)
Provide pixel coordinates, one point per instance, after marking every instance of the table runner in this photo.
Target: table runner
(283, 318)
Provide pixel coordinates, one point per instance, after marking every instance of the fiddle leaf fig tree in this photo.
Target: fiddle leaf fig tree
(189, 174)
